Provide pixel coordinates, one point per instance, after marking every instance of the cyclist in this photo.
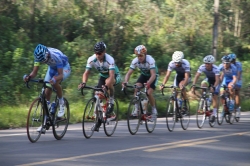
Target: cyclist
(238, 85)
(148, 76)
(228, 76)
(58, 70)
(212, 80)
(182, 68)
(108, 71)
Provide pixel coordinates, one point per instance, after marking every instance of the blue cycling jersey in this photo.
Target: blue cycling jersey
(57, 59)
(228, 73)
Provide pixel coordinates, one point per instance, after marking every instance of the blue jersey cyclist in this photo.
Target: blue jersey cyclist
(182, 68)
(58, 70)
(149, 75)
(238, 85)
(228, 76)
(108, 71)
(212, 80)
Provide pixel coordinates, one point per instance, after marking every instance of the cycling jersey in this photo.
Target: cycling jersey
(146, 66)
(228, 73)
(238, 66)
(181, 70)
(210, 74)
(57, 59)
(102, 67)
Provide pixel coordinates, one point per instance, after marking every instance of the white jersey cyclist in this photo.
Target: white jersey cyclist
(56, 61)
(104, 67)
(146, 66)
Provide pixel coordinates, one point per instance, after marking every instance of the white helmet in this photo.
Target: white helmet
(209, 59)
(177, 56)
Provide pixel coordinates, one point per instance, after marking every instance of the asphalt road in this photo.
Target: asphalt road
(226, 145)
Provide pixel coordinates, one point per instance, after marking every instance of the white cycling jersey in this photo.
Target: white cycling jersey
(145, 66)
(102, 67)
(185, 67)
(210, 74)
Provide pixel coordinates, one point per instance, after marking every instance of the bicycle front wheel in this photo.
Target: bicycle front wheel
(112, 121)
(133, 116)
(89, 118)
(149, 122)
(171, 116)
(60, 124)
(34, 120)
(200, 114)
(185, 115)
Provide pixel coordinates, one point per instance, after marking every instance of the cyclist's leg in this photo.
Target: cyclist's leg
(109, 82)
(237, 96)
(48, 91)
(151, 99)
(232, 93)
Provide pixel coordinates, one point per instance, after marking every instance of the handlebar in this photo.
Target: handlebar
(171, 87)
(134, 87)
(95, 89)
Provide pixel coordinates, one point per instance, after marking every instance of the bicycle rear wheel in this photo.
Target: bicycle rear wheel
(149, 122)
(60, 124)
(171, 114)
(220, 111)
(89, 118)
(112, 121)
(34, 120)
(185, 119)
(200, 114)
(133, 116)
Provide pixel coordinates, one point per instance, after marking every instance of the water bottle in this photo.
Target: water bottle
(231, 105)
(53, 108)
(103, 109)
(144, 104)
(208, 103)
(180, 102)
(48, 105)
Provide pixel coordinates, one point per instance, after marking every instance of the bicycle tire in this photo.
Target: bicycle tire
(89, 118)
(60, 125)
(232, 117)
(171, 116)
(211, 124)
(220, 111)
(34, 120)
(112, 121)
(200, 114)
(150, 124)
(133, 116)
(185, 119)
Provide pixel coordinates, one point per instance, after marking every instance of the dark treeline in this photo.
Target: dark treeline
(74, 26)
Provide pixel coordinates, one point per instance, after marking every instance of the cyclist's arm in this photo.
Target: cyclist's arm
(34, 72)
(85, 76)
(128, 75)
(196, 78)
(222, 77)
(217, 80)
(238, 75)
(166, 77)
(186, 78)
(152, 77)
(234, 79)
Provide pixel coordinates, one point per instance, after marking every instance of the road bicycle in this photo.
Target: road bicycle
(139, 111)
(40, 115)
(176, 110)
(203, 110)
(95, 113)
(224, 111)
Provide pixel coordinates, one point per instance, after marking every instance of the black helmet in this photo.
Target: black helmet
(226, 59)
(99, 47)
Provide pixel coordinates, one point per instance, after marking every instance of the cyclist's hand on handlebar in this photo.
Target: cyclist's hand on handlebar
(161, 86)
(124, 84)
(81, 85)
(26, 78)
(182, 86)
(147, 85)
(193, 89)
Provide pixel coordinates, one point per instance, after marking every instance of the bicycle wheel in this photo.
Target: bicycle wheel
(150, 123)
(60, 124)
(232, 117)
(112, 121)
(34, 120)
(171, 114)
(89, 118)
(210, 120)
(185, 119)
(133, 116)
(200, 114)
(220, 111)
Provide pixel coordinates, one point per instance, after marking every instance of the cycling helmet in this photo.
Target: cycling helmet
(232, 56)
(40, 52)
(141, 49)
(177, 56)
(209, 59)
(100, 47)
(226, 59)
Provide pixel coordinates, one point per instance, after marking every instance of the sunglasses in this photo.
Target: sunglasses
(140, 55)
(98, 53)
